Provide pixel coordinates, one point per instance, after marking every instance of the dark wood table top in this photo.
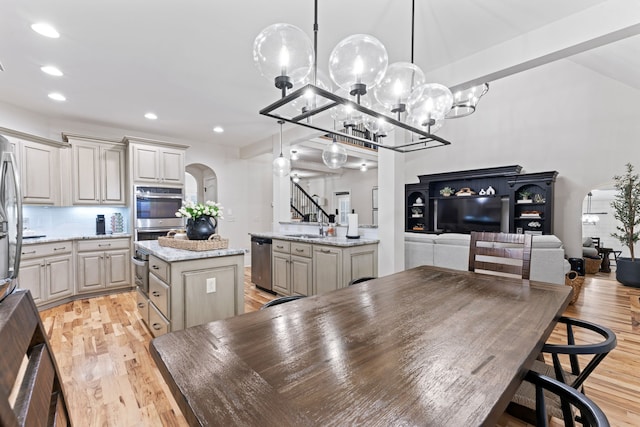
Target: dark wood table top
(427, 346)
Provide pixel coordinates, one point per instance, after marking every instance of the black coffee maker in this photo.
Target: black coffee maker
(100, 225)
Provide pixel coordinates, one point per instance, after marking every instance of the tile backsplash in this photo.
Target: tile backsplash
(71, 221)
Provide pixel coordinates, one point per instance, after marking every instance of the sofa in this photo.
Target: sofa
(451, 250)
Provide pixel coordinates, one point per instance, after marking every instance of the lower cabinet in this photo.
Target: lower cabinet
(47, 271)
(327, 267)
(103, 264)
(292, 268)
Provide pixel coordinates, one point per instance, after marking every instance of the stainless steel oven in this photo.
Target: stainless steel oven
(155, 210)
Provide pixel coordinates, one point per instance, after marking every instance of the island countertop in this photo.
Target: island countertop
(173, 255)
(317, 240)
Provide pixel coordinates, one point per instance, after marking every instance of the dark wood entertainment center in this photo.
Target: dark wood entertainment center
(534, 215)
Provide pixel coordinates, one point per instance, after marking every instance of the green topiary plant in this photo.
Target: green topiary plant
(626, 206)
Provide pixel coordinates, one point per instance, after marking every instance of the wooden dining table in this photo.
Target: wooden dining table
(427, 346)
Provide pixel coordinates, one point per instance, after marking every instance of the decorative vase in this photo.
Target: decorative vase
(201, 228)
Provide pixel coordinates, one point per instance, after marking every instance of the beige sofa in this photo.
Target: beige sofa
(451, 250)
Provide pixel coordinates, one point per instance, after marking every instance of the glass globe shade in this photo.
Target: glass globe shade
(345, 113)
(398, 83)
(419, 123)
(359, 58)
(378, 126)
(431, 100)
(334, 155)
(283, 50)
(310, 100)
(281, 166)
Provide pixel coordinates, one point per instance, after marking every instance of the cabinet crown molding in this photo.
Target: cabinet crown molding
(135, 139)
(68, 137)
(33, 138)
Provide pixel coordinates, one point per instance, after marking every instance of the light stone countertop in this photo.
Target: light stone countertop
(329, 241)
(46, 239)
(173, 255)
(318, 224)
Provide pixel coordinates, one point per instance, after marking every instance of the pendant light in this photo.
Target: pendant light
(281, 165)
(334, 155)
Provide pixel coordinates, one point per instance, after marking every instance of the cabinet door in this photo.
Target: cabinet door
(301, 275)
(327, 269)
(209, 302)
(86, 174)
(32, 277)
(172, 166)
(145, 164)
(90, 271)
(40, 173)
(113, 175)
(362, 263)
(117, 268)
(281, 273)
(59, 273)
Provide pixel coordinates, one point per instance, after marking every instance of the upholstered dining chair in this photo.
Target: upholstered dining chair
(281, 300)
(523, 403)
(548, 389)
(501, 252)
(360, 280)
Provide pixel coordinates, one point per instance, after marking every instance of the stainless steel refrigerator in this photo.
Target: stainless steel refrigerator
(10, 220)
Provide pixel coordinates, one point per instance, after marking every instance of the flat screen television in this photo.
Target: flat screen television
(464, 214)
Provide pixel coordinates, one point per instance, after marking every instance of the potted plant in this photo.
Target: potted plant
(446, 191)
(202, 218)
(626, 206)
(524, 194)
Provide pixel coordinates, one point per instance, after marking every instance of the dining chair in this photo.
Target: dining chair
(548, 389)
(360, 280)
(523, 403)
(281, 300)
(501, 253)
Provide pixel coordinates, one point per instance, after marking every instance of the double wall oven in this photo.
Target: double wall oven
(155, 211)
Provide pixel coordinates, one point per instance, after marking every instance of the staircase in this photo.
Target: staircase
(303, 206)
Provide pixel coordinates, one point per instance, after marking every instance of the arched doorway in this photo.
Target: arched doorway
(201, 183)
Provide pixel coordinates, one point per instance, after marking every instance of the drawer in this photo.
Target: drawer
(301, 249)
(142, 305)
(158, 324)
(159, 294)
(46, 249)
(281, 246)
(102, 244)
(159, 268)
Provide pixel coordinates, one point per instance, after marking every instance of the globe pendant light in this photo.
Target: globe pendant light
(334, 155)
(429, 103)
(397, 85)
(281, 165)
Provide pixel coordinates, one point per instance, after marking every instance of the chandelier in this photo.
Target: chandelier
(588, 217)
(371, 92)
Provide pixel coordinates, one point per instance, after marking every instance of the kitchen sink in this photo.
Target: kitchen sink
(306, 236)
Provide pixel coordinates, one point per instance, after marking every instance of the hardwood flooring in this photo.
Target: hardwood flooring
(101, 347)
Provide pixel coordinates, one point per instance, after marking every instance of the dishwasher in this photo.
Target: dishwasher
(261, 263)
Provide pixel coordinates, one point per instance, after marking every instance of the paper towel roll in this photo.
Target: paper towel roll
(352, 230)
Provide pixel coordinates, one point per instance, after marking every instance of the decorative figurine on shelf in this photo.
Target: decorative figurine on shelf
(491, 191)
(482, 192)
(465, 191)
(538, 198)
(418, 201)
(446, 191)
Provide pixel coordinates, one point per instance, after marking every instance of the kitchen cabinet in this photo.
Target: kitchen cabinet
(103, 264)
(334, 267)
(98, 172)
(191, 292)
(39, 173)
(292, 268)
(533, 214)
(47, 271)
(157, 164)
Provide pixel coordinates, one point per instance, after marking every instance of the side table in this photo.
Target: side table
(605, 266)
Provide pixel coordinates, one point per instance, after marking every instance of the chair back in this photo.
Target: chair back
(590, 413)
(501, 253)
(360, 280)
(281, 300)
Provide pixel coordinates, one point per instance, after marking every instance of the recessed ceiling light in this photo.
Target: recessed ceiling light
(151, 116)
(294, 155)
(363, 168)
(51, 70)
(218, 129)
(57, 96)
(45, 29)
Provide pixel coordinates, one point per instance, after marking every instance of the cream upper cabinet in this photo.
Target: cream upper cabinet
(99, 173)
(157, 164)
(39, 173)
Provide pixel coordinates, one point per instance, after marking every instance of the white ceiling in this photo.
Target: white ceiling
(190, 62)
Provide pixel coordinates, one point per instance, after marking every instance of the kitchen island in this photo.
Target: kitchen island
(188, 288)
(309, 264)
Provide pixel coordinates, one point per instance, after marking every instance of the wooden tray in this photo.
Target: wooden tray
(214, 242)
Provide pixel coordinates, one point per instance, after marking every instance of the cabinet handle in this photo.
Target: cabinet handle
(60, 249)
(299, 250)
(155, 267)
(325, 251)
(279, 247)
(140, 305)
(157, 326)
(155, 293)
(28, 253)
(104, 245)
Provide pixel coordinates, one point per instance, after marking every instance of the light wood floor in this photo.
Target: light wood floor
(101, 347)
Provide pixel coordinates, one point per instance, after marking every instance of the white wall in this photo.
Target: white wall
(560, 117)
